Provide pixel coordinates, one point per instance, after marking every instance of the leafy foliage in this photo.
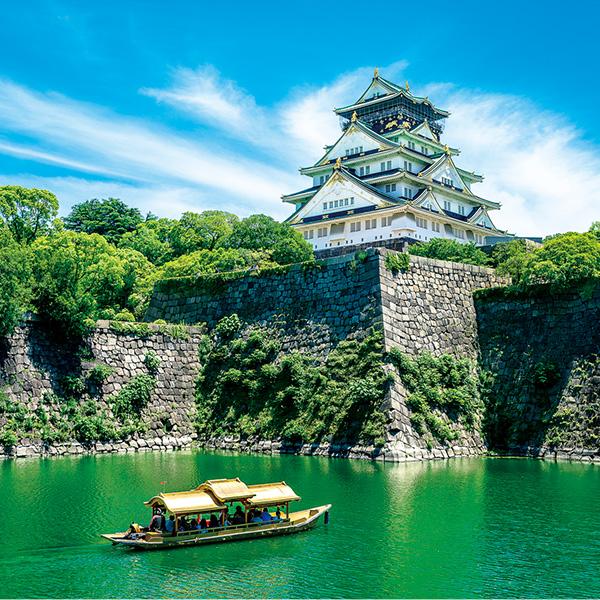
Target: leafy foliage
(443, 393)
(110, 218)
(26, 212)
(201, 231)
(397, 262)
(244, 388)
(451, 250)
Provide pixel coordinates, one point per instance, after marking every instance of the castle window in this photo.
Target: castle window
(458, 233)
(308, 235)
(322, 232)
(408, 193)
(461, 210)
(354, 227)
(352, 200)
(367, 169)
(411, 145)
(408, 166)
(322, 179)
(382, 166)
(435, 226)
(386, 221)
(324, 205)
(422, 223)
(447, 205)
(362, 171)
(345, 201)
(335, 203)
(389, 165)
(446, 181)
(371, 224)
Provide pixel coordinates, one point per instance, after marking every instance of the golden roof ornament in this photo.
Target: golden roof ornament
(376, 73)
(354, 117)
(338, 163)
(407, 86)
(447, 150)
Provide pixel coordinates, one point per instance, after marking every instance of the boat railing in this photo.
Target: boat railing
(232, 528)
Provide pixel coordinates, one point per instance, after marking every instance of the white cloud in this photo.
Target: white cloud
(76, 135)
(536, 163)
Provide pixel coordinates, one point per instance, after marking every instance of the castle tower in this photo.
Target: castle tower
(389, 177)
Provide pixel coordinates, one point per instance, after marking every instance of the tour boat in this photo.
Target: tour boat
(216, 497)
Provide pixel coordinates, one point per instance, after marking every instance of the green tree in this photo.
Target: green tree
(14, 281)
(510, 259)
(76, 275)
(204, 261)
(151, 239)
(26, 212)
(451, 250)
(260, 232)
(111, 218)
(563, 260)
(200, 231)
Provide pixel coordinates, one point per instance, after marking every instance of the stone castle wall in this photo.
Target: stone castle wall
(428, 307)
(543, 352)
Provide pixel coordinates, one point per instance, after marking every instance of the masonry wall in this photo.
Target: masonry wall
(33, 363)
(524, 340)
(428, 307)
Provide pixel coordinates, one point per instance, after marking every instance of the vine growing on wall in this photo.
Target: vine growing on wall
(444, 393)
(244, 388)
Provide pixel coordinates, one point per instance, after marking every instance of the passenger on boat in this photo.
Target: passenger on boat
(238, 516)
(170, 524)
(278, 515)
(157, 522)
(226, 517)
(256, 518)
(203, 525)
(182, 524)
(265, 515)
(214, 522)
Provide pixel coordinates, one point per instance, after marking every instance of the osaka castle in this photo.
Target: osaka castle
(389, 177)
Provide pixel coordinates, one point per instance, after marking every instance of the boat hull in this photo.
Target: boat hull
(298, 521)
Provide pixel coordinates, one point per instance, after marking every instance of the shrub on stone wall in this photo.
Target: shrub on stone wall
(444, 393)
(244, 389)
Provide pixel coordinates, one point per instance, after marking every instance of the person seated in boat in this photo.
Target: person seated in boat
(238, 516)
(133, 531)
(202, 526)
(278, 514)
(265, 515)
(170, 524)
(157, 523)
(182, 524)
(256, 518)
(214, 522)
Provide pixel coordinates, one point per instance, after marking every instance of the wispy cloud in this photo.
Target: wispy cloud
(93, 139)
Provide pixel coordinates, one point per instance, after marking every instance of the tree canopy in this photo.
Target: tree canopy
(26, 212)
(111, 218)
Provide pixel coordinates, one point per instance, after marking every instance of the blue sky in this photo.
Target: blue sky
(194, 105)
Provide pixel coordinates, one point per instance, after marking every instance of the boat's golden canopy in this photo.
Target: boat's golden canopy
(271, 494)
(227, 490)
(194, 501)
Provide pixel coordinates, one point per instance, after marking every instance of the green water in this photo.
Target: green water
(462, 528)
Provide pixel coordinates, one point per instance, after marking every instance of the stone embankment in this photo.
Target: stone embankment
(543, 354)
(427, 307)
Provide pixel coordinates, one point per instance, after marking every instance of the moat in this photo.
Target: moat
(472, 527)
